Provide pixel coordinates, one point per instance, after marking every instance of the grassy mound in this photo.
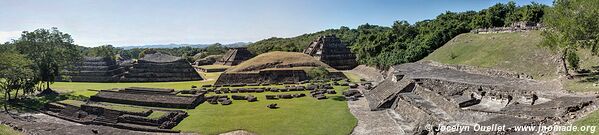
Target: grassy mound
(518, 52)
(276, 60)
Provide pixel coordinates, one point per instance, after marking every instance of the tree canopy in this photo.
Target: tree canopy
(50, 50)
(572, 24)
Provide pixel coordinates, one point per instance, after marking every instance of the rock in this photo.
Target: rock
(271, 97)
(188, 91)
(222, 99)
(298, 95)
(274, 90)
(283, 89)
(238, 97)
(350, 93)
(344, 84)
(285, 96)
(234, 90)
(225, 90)
(252, 99)
(331, 92)
(320, 96)
(352, 98)
(259, 90)
(226, 102)
(272, 106)
(336, 83)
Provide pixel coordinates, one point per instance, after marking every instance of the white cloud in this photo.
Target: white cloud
(6, 36)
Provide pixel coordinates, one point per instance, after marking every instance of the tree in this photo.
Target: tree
(147, 51)
(572, 24)
(318, 73)
(15, 73)
(50, 50)
(107, 51)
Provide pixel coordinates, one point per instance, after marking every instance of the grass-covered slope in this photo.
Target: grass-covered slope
(517, 52)
(277, 59)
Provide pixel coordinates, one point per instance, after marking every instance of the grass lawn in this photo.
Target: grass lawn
(518, 52)
(6, 130)
(304, 115)
(156, 114)
(352, 77)
(589, 120)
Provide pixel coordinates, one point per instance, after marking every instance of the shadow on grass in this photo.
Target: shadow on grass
(588, 77)
(35, 103)
(339, 98)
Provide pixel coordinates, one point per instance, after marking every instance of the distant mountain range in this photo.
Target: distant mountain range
(238, 44)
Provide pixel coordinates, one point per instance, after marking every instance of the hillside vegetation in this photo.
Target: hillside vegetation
(402, 42)
(518, 52)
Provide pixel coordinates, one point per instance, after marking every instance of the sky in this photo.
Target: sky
(143, 22)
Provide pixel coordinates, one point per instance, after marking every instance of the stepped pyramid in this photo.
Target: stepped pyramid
(160, 67)
(330, 50)
(235, 56)
(94, 69)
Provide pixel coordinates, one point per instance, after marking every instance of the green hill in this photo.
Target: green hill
(518, 52)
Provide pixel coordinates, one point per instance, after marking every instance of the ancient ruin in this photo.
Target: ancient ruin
(514, 27)
(208, 60)
(427, 95)
(235, 56)
(154, 97)
(330, 50)
(274, 67)
(94, 69)
(111, 108)
(160, 67)
(155, 67)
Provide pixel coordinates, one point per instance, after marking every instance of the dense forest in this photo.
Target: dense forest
(403, 42)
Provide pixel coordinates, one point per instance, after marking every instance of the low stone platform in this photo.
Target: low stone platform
(148, 97)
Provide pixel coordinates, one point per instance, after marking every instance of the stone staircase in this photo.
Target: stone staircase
(427, 106)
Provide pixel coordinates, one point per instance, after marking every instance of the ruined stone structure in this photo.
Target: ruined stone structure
(155, 67)
(208, 60)
(235, 56)
(100, 111)
(160, 67)
(426, 95)
(330, 50)
(94, 69)
(269, 77)
(153, 97)
(515, 27)
(275, 67)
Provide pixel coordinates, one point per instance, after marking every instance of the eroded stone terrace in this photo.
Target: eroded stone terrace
(426, 95)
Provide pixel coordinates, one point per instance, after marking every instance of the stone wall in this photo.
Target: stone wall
(269, 76)
(93, 69)
(154, 100)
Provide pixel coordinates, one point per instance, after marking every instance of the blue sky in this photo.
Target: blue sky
(140, 22)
